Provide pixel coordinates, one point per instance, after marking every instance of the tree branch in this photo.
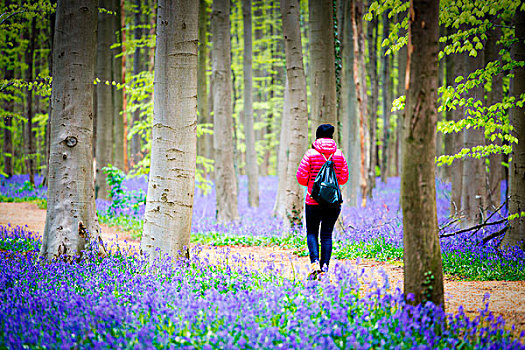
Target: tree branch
(11, 15)
(477, 227)
(494, 235)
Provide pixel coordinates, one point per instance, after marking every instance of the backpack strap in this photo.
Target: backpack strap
(326, 160)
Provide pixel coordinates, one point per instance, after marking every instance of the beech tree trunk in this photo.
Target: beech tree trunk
(496, 171)
(282, 155)
(30, 112)
(71, 220)
(456, 172)
(251, 155)
(385, 61)
(323, 105)
(118, 96)
(225, 180)
(297, 113)
(372, 33)
(202, 81)
(169, 202)
(349, 107)
(401, 91)
(474, 196)
(516, 233)
(7, 130)
(105, 109)
(360, 86)
(423, 275)
(449, 113)
(138, 66)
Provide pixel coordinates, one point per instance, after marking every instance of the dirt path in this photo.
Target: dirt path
(507, 298)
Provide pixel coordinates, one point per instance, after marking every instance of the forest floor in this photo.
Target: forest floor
(507, 298)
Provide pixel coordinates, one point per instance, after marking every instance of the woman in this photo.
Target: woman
(326, 216)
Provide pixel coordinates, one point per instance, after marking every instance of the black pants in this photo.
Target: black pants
(326, 217)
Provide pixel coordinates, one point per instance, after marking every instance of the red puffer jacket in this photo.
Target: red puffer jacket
(313, 160)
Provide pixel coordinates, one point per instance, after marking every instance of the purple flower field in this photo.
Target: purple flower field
(122, 302)
(374, 232)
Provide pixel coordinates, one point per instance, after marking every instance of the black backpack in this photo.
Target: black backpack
(325, 190)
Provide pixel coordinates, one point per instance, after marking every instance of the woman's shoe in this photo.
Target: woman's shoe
(314, 271)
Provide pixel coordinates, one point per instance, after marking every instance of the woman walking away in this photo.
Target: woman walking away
(323, 149)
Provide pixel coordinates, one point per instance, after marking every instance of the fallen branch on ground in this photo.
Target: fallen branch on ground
(477, 227)
(494, 235)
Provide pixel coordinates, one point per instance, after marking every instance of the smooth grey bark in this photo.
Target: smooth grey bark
(7, 145)
(203, 142)
(225, 179)
(516, 233)
(474, 196)
(71, 219)
(449, 113)
(169, 202)
(52, 19)
(456, 173)
(372, 33)
(298, 113)
(105, 109)
(360, 85)
(401, 91)
(385, 78)
(423, 271)
(323, 104)
(496, 170)
(349, 108)
(118, 97)
(282, 155)
(138, 66)
(251, 155)
(29, 138)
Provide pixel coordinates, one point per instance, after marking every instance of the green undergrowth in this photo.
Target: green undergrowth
(41, 203)
(377, 249)
(128, 223)
(295, 242)
(468, 267)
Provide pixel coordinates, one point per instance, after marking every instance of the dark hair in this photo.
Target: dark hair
(325, 131)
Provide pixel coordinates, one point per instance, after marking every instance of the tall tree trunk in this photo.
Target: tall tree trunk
(393, 140)
(138, 67)
(449, 113)
(423, 273)
(118, 96)
(496, 171)
(516, 231)
(51, 35)
(385, 72)
(202, 80)
(282, 156)
(225, 180)
(349, 107)
(71, 220)
(169, 202)
(8, 125)
(322, 65)
(297, 113)
(29, 135)
(401, 91)
(360, 86)
(473, 196)
(105, 109)
(459, 69)
(251, 155)
(372, 33)
(153, 27)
